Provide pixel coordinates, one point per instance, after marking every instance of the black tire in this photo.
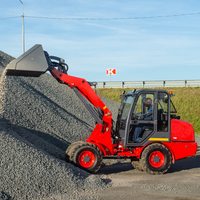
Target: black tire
(86, 156)
(136, 165)
(155, 159)
(69, 150)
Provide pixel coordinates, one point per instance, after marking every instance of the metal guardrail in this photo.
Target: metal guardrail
(148, 84)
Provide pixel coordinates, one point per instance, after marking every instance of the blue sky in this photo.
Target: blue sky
(157, 48)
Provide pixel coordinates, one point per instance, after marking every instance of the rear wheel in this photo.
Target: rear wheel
(86, 156)
(155, 159)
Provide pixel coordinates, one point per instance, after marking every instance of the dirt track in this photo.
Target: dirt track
(181, 182)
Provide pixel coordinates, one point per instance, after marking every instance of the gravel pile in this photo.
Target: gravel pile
(4, 60)
(40, 118)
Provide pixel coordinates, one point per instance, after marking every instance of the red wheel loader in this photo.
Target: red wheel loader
(147, 130)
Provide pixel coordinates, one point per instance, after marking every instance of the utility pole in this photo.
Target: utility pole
(23, 39)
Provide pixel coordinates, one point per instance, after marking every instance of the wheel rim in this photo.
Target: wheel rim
(86, 159)
(156, 159)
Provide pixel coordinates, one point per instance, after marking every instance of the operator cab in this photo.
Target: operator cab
(144, 116)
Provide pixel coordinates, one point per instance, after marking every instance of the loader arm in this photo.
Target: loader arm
(101, 135)
(36, 62)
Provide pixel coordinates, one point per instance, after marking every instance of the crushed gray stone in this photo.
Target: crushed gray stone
(39, 119)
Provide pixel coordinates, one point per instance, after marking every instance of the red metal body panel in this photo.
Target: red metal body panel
(181, 131)
(180, 150)
(101, 136)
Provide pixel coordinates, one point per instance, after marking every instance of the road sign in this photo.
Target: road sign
(111, 72)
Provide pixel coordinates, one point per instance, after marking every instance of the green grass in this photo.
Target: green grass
(186, 101)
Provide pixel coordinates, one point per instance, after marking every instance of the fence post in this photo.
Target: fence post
(163, 83)
(122, 84)
(104, 83)
(143, 83)
(185, 83)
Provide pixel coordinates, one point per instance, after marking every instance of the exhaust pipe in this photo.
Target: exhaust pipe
(32, 63)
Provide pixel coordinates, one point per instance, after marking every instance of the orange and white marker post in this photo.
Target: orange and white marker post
(111, 72)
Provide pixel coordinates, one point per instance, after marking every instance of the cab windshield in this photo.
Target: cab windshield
(125, 107)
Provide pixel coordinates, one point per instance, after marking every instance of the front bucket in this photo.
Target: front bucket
(32, 63)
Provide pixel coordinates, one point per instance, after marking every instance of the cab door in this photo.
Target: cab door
(123, 114)
(141, 122)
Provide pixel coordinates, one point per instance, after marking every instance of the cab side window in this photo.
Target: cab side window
(162, 125)
(144, 107)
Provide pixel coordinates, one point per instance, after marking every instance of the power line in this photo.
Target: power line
(112, 18)
(10, 17)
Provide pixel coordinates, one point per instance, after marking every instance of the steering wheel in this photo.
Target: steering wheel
(136, 116)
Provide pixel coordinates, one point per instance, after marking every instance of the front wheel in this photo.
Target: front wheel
(70, 149)
(87, 156)
(155, 159)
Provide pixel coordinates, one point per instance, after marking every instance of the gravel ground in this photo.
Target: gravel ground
(40, 118)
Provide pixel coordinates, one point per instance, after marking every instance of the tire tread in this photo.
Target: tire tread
(143, 160)
(86, 144)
